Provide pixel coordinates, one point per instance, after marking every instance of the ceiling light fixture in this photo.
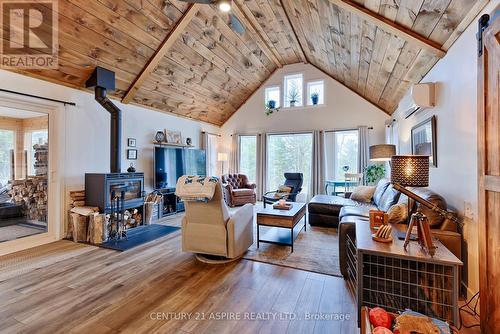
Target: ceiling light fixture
(224, 6)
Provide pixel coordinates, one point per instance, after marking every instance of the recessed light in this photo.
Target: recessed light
(224, 6)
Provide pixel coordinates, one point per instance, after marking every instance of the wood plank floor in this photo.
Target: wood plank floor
(155, 288)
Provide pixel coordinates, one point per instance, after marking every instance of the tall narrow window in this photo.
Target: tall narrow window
(272, 94)
(35, 141)
(6, 149)
(289, 153)
(315, 92)
(293, 90)
(248, 157)
(346, 156)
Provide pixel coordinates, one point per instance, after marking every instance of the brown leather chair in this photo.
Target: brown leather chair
(238, 190)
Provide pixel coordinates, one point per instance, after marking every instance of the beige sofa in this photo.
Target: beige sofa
(208, 228)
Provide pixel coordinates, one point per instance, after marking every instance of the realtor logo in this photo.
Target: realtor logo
(29, 34)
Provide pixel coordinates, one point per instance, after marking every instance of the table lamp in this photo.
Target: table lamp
(382, 152)
(222, 157)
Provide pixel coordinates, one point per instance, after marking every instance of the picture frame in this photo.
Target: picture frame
(131, 142)
(132, 154)
(423, 139)
(173, 137)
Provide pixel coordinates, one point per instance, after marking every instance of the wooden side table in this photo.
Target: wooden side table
(279, 220)
(385, 275)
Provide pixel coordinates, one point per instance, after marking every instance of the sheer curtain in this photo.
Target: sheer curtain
(318, 163)
(363, 149)
(210, 143)
(261, 165)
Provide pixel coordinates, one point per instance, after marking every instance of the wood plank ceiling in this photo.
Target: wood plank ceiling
(203, 70)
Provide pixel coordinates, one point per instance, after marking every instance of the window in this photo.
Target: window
(248, 157)
(272, 93)
(6, 147)
(289, 153)
(345, 153)
(318, 88)
(293, 90)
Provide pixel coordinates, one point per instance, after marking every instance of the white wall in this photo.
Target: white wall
(455, 178)
(342, 109)
(87, 129)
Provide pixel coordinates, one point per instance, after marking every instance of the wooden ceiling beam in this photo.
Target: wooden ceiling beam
(390, 26)
(161, 51)
(261, 41)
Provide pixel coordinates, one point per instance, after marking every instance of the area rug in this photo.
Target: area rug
(139, 236)
(315, 249)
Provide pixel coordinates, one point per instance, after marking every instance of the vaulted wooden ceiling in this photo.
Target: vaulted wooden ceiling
(186, 59)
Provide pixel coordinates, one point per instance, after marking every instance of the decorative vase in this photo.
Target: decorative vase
(271, 104)
(131, 169)
(188, 141)
(292, 103)
(315, 100)
(160, 136)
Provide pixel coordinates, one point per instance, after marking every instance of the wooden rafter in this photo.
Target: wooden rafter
(390, 26)
(161, 51)
(298, 41)
(261, 40)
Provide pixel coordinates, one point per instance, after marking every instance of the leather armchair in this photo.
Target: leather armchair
(208, 228)
(238, 190)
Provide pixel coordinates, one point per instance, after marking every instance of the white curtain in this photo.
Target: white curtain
(363, 149)
(234, 157)
(318, 163)
(210, 143)
(261, 165)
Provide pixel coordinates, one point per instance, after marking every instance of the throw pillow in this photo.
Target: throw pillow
(282, 191)
(398, 213)
(363, 194)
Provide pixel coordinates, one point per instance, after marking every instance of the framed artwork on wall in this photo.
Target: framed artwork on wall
(131, 142)
(423, 140)
(132, 154)
(173, 137)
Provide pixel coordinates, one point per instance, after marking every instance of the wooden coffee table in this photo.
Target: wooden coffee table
(280, 220)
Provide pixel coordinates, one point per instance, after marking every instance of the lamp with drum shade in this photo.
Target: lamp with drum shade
(222, 157)
(382, 152)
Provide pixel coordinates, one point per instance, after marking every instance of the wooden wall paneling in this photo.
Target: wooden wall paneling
(232, 59)
(450, 19)
(315, 37)
(291, 14)
(408, 11)
(290, 30)
(327, 20)
(355, 47)
(372, 5)
(219, 29)
(391, 27)
(380, 47)
(108, 15)
(345, 45)
(252, 30)
(429, 15)
(200, 70)
(332, 23)
(390, 58)
(403, 63)
(389, 9)
(367, 44)
(468, 18)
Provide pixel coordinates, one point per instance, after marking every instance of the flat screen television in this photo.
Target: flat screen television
(170, 163)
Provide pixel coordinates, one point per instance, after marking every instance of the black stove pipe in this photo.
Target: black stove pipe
(116, 128)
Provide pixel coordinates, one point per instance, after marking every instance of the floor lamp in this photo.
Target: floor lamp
(222, 157)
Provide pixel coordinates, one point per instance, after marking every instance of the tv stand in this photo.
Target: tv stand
(170, 204)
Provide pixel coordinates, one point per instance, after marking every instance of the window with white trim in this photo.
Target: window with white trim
(293, 90)
(272, 93)
(316, 87)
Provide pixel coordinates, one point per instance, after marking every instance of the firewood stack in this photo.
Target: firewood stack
(77, 198)
(41, 159)
(32, 195)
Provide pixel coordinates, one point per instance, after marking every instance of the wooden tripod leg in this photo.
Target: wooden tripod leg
(408, 232)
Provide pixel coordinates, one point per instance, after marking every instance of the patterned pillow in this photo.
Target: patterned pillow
(363, 194)
(398, 213)
(282, 191)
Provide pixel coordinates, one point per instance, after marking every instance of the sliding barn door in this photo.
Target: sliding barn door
(489, 171)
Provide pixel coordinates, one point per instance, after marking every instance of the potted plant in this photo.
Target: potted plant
(315, 98)
(293, 94)
(374, 173)
(271, 107)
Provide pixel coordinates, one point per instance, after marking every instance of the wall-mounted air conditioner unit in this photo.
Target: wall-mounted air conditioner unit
(419, 97)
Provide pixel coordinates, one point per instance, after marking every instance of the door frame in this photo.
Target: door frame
(57, 147)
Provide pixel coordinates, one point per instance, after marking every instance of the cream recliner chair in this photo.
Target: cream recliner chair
(208, 228)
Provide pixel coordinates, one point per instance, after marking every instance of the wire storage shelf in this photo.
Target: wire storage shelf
(396, 284)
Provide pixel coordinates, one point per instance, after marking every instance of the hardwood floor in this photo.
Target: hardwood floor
(156, 288)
